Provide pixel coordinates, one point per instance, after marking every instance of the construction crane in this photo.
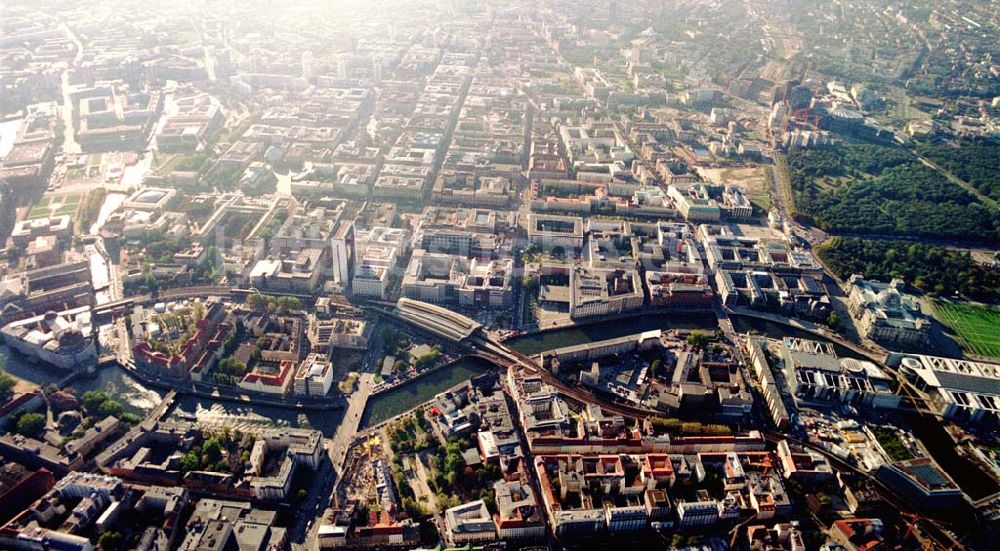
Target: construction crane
(805, 115)
(913, 530)
(736, 530)
(765, 464)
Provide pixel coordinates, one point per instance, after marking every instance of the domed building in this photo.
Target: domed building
(885, 313)
(63, 339)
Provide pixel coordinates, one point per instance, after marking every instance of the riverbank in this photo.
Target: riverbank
(236, 399)
(406, 397)
(389, 388)
(610, 328)
(815, 331)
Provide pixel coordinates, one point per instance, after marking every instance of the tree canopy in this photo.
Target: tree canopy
(975, 161)
(31, 424)
(880, 190)
(931, 269)
(6, 386)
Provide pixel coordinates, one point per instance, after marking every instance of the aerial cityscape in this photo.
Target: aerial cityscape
(692, 275)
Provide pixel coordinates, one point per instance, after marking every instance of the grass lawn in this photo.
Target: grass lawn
(39, 212)
(756, 182)
(976, 328)
(183, 163)
(762, 203)
(69, 210)
(892, 444)
(55, 206)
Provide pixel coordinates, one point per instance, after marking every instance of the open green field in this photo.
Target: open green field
(976, 328)
(38, 212)
(184, 163)
(55, 206)
(67, 209)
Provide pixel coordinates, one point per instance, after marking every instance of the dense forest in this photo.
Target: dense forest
(934, 270)
(975, 161)
(880, 190)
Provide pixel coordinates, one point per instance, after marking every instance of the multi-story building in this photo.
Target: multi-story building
(803, 464)
(196, 354)
(703, 512)
(63, 339)
(760, 269)
(734, 247)
(377, 252)
(961, 390)
(780, 537)
(326, 334)
(694, 203)
(773, 397)
(300, 272)
(370, 280)
(343, 253)
(107, 119)
(551, 232)
(858, 534)
(518, 513)
(585, 494)
(314, 376)
(49, 287)
(297, 447)
(814, 373)
(885, 313)
(470, 523)
(26, 231)
(222, 524)
(269, 378)
(735, 204)
(598, 292)
(450, 279)
(467, 188)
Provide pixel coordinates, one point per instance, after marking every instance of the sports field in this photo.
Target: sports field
(977, 328)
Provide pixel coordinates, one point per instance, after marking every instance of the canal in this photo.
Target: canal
(20, 367)
(409, 396)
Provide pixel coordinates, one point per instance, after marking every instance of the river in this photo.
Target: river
(110, 205)
(241, 416)
(8, 135)
(101, 267)
(137, 398)
(774, 330)
(133, 396)
(611, 329)
(409, 396)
